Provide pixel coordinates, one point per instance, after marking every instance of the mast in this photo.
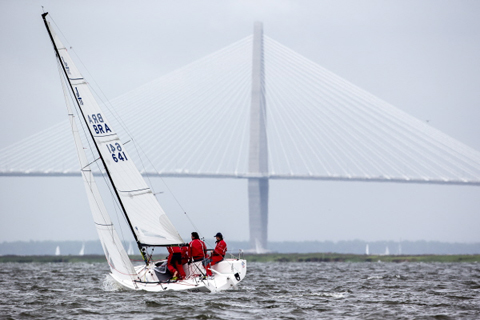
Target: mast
(91, 134)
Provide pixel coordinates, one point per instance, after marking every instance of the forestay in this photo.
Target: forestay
(146, 217)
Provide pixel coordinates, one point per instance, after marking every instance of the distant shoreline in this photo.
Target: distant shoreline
(268, 257)
(356, 247)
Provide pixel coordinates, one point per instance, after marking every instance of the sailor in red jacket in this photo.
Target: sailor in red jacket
(218, 253)
(184, 254)
(197, 250)
(174, 262)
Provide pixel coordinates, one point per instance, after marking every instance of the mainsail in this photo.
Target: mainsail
(118, 260)
(148, 221)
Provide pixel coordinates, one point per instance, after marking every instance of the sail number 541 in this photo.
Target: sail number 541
(117, 153)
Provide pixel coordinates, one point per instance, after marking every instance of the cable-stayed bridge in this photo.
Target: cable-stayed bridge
(258, 110)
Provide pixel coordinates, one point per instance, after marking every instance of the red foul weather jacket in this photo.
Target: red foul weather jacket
(219, 251)
(174, 250)
(173, 259)
(185, 254)
(174, 262)
(197, 249)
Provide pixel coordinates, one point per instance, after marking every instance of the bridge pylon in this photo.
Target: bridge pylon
(258, 151)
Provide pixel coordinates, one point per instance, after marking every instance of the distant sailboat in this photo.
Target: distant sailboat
(82, 251)
(130, 250)
(387, 252)
(367, 252)
(57, 251)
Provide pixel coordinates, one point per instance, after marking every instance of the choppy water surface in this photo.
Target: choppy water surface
(270, 291)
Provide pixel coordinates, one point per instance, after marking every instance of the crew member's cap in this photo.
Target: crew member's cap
(219, 235)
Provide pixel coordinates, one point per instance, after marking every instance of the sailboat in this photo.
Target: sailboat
(82, 250)
(130, 249)
(148, 222)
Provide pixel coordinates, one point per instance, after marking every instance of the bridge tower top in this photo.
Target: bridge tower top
(258, 152)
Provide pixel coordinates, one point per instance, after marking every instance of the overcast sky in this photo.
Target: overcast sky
(420, 56)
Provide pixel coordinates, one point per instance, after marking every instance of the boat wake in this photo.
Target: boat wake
(109, 284)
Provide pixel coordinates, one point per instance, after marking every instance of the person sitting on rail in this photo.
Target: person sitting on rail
(217, 254)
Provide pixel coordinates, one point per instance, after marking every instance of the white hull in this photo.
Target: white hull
(223, 278)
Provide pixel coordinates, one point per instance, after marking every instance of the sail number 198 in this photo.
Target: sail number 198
(117, 153)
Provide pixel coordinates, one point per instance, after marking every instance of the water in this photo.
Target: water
(270, 291)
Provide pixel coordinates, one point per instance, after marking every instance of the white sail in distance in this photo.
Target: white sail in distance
(148, 221)
(130, 249)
